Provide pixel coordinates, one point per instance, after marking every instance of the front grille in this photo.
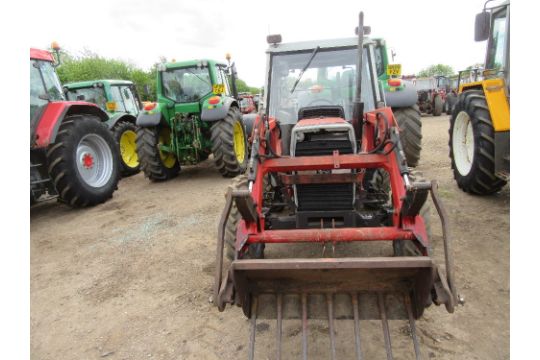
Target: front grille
(324, 197)
(311, 112)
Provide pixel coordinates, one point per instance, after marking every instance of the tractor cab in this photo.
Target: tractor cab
(318, 78)
(113, 96)
(44, 83)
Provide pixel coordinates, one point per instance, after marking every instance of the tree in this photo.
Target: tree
(241, 86)
(436, 70)
(91, 66)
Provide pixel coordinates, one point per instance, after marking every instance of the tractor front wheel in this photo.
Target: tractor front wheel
(157, 164)
(125, 134)
(83, 161)
(438, 105)
(229, 144)
(409, 121)
(472, 147)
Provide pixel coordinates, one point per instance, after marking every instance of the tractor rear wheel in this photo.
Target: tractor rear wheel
(125, 134)
(255, 251)
(472, 147)
(156, 164)
(83, 161)
(229, 144)
(410, 126)
(437, 106)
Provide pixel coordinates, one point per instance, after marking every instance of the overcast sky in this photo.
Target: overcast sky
(422, 32)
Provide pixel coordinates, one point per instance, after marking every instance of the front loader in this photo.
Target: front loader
(328, 223)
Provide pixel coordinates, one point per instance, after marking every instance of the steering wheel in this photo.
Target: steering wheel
(324, 101)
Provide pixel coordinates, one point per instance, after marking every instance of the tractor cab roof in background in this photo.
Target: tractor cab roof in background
(193, 63)
(91, 83)
(39, 54)
(312, 44)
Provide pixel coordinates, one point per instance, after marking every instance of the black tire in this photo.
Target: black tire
(150, 160)
(255, 251)
(451, 100)
(438, 105)
(480, 179)
(223, 147)
(120, 128)
(72, 188)
(407, 247)
(410, 125)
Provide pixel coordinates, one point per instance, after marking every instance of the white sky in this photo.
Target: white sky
(422, 32)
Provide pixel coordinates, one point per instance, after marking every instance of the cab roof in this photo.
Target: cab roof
(39, 54)
(192, 63)
(87, 84)
(312, 44)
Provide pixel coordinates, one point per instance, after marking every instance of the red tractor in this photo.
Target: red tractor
(329, 222)
(430, 97)
(72, 153)
(247, 105)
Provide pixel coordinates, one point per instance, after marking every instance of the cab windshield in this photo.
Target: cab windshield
(92, 94)
(330, 79)
(44, 85)
(497, 42)
(186, 84)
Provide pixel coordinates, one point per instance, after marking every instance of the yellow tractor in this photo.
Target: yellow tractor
(480, 121)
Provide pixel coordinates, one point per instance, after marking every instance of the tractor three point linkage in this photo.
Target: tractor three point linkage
(327, 172)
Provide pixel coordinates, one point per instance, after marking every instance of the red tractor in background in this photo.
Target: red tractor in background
(72, 153)
(430, 97)
(247, 105)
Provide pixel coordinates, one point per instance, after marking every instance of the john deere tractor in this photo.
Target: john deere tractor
(196, 115)
(401, 96)
(480, 122)
(119, 98)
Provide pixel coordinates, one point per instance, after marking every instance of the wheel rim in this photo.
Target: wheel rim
(94, 160)
(463, 143)
(168, 159)
(128, 148)
(239, 142)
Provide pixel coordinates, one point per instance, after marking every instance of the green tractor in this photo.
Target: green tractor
(401, 96)
(119, 98)
(196, 115)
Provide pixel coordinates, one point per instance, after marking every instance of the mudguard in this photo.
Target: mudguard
(120, 116)
(53, 115)
(214, 112)
(403, 98)
(148, 118)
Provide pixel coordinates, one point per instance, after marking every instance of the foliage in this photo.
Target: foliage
(91, 66)
(437, 69)
(241, 86)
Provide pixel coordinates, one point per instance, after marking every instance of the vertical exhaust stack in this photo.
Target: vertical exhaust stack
(358, 105)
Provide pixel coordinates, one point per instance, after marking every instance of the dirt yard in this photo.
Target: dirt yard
(131, 279)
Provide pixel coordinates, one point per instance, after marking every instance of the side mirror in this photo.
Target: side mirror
(81, 97)
(146, 90)
(273, 39)
(481, 26)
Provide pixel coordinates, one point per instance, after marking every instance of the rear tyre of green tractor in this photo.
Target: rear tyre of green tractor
(437, 106)
(472, 145)
(125, 134)
(84, 161)
(157, 165)
(410, 125)
(229, 144)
